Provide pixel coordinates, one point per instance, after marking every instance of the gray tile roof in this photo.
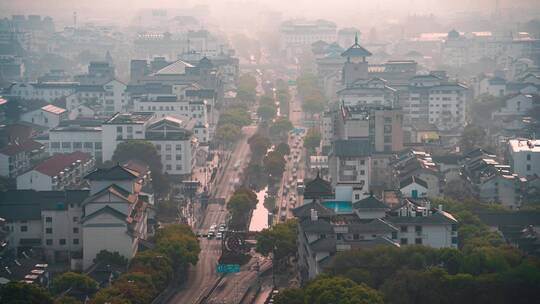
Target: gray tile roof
(412, 179)
(318, 188)
(318, 226)
(351, 148)
(324, 245)
(370, 202)
(114, 173)
(437, 217)
(304, 211)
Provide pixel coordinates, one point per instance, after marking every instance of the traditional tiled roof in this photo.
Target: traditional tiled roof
(412, 179)
(176, 68)
(58, 162)
(356, 50)
(305, 210)
(318, 188)
(324, 245)
(318, 226)
(370, 202)
(28, 204)
(108, 210)
(114, 173)
(437, 217)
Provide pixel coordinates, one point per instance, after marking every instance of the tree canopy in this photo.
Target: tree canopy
(22, 293)
(78, 283)
(274, 164)
(280, 128)
(266, 112)
(312, 139)
(280, 239)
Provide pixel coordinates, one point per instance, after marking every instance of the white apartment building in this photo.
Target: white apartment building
(123, 126)
(172, 136)
(48, 91)
(104, 99)
(349, 164)
(524, 156)
(16, 157)
(48, 116)
(175, 143)
(432, 99)
(71, 137)
(57, 172)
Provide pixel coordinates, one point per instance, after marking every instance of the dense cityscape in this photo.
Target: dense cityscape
(258, 152)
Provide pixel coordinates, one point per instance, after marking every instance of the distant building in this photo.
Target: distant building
(524, 156)
(295, 35)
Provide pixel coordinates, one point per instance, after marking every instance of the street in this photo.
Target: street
(203, 276)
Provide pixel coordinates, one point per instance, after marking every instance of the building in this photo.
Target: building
(327, 227)
(355, 67)
(48, 91)
(371, 92)
(434, 99)
(296, 35)
(48, 116)
(75, 225)
(349, 165)
(175, 143)
(517, 106)
(491, 181)
(413, 187)
(494, 86)
(103, 99)
(17, 157)
(58, 172)
(419, 166)
(121, 127)
(524, 156)
(75, 135)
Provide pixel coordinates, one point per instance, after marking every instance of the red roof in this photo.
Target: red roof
(58, 162)
(15, 148)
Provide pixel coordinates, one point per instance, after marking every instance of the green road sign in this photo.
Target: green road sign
(222, 268)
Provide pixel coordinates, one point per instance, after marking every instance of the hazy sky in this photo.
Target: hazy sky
(331, 9)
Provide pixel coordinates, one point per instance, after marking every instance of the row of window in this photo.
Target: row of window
(76, 145)
(61, 242)
(171, 108)
(168, 147)
(169, 167)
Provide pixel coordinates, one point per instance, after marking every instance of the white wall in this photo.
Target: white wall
(34, 180)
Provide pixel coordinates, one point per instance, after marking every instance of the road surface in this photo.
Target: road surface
(203, 276)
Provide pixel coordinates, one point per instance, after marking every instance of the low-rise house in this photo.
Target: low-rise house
(113, 215)
(16, 157)
(48, 116)
(517, 105)
(58, 172)
(418, 164)
(75, 135)
(413, 187)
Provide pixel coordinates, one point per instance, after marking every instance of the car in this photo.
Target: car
(219, 236)
(213, 227)
(210, 234)
(222, 228)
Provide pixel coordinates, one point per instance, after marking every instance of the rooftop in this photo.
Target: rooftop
(114, 173)
(56, 164)
(356, 50)
(26, 146)
(524, 145)
(130, 118)
(53, 109)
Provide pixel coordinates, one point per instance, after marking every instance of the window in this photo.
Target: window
(454, 227)
(158, 147)
(528, 167)
(169, 167)
(48, 219)
(130, 129)
(179, 167)
(178, 147)
(77, 145)
(48, 242)
(88, 145)
(322, 236)
(362, 172)
(168, 157)
(167, 147)
(178, 156)
(339, 236)
(387, 128)
(388, 120)
(48, 230)
(394, 235)
(356, 236)
(66, 145)
(403, 228)
(418, 241)
(454, 240)
(75, 219)
(62, 242)
(362, 162)
(119, 129)
(528, 157)
(403, 241)
(357, 196)
(75, 230)
(387, 139)
(75, 241)
(418, 228)
(97, 145)
(24, 228)
(55, 145)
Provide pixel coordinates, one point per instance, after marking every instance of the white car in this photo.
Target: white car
(219, 236)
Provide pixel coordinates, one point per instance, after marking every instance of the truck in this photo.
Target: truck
(300, 186)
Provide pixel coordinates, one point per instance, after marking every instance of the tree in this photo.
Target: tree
(247, 88)
(228, 133)
(155, 264)
(290, 296)
(22, 293)
(109, 295)
(283, 149)
(274, 164)
(473, 137)
(79, 283)
(259, 145)
(179, 244)
(236, 116)
(280, 128)
(106, 257)
(312, 139)
(67, 300)
(266, 112)
(145, 151)
(136, 287)
(280, 240)
(339, 290)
